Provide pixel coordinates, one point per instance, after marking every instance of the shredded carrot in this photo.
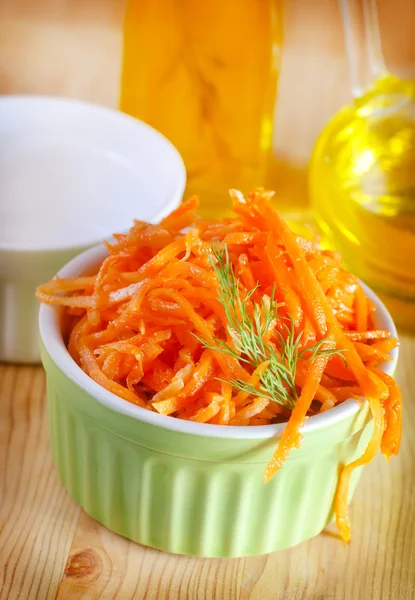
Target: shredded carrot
(365, 336)
(207, 413)
(391, 438)
(202, 373)
(362, 309)
(253, 409)
(252, 381)
(151, 328)
(291, 436)
(341, 498)
(182, 217)
(227, 405)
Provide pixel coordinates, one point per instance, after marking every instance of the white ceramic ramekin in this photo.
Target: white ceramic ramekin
(71, 174)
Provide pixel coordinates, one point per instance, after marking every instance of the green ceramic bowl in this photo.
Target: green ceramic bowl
(191, 488)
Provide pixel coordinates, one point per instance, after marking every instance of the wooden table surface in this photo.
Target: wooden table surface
(49, 548)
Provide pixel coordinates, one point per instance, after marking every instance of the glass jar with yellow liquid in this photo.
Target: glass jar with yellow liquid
(204, 73)
(362, 175)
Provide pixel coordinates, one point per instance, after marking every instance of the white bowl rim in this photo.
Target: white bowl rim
(51, 337)
(111, 114)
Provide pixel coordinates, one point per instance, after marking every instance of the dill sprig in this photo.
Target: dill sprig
(247, 333)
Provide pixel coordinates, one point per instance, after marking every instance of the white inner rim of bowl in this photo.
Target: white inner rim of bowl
(49, 323)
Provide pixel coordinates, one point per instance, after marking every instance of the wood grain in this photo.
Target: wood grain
(48, 547)
(37, 519)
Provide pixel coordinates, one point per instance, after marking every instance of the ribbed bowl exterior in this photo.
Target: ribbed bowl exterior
(191, 494)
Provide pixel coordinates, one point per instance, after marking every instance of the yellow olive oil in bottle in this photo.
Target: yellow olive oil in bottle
(362, 185)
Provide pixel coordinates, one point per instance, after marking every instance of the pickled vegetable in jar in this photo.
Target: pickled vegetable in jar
(205, 75)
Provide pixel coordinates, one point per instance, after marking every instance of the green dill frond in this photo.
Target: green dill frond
(248, 324)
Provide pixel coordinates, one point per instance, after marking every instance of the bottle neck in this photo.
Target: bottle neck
(363, 43)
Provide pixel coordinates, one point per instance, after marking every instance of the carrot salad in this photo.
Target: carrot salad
(232, 322)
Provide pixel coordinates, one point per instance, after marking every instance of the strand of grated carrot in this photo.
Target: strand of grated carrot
(385, 346)
(291, 436)
(364, 336)
(361, 309)
(183, 216)
(281, 275)
(252, 381)
(253, 409)
(346, 392)
(391, 439)
(155, 264)
(69, 284)
(367, 353)
(227, 402)
(201, 374)
(342, 493)
(206, 413)
(111, 364)
(97, 294)
(245, 272)
(76, 301)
